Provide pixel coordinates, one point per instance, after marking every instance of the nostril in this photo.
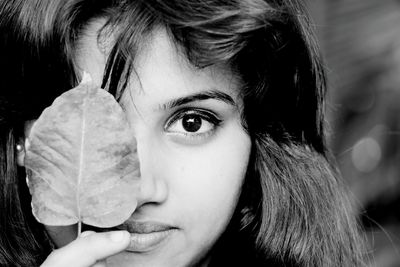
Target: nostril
(152, 191)
(146, 190)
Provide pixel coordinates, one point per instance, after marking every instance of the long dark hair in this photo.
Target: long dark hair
(293, 209)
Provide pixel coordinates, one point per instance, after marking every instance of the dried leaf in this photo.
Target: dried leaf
(81, 161)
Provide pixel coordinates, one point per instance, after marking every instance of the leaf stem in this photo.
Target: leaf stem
(79, 228)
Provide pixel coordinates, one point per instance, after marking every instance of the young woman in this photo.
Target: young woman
(226, 101)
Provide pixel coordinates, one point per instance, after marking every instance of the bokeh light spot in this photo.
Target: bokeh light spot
(366, 154)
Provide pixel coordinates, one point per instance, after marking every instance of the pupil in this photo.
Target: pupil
(191, 123)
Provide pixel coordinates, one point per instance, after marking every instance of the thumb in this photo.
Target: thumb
(88, 249)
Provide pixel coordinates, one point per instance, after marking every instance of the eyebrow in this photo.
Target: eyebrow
(212, 94)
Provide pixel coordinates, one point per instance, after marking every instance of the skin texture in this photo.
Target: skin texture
(190, 181)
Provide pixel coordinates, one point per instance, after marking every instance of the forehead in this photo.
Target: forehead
(91, 52)
(160, 66)
(161, 62)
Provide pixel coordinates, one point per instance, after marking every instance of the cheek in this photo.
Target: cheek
(209, 178)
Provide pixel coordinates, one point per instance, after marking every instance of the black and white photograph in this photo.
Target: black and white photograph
(199, 133)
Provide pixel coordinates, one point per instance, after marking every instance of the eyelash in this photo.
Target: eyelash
(206, 115)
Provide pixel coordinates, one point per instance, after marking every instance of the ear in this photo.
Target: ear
(22, 145)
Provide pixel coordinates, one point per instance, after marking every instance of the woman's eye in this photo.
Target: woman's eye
(192, 124)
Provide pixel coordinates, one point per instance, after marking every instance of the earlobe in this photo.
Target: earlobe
(23, 144)
(20, 147)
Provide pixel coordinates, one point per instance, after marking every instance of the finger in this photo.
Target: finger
(100, 264)
(88, 249)
(86, 233)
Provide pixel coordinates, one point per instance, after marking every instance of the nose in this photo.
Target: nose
(153, 186)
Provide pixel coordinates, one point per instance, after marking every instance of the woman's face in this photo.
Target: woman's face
(192, 148)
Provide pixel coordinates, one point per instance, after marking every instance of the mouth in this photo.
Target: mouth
(145, 236)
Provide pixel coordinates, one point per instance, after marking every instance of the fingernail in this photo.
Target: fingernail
(86, 233)
(118, 236)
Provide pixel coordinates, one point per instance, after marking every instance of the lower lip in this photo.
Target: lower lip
(148, 241)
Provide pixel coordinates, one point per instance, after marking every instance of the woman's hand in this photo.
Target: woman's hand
(90, 249)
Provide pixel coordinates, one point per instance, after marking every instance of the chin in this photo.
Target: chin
(146, 259)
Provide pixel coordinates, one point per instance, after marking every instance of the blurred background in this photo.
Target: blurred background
(360, 40)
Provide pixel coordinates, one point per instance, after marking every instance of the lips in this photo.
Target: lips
(146, 236)
(144, 227)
